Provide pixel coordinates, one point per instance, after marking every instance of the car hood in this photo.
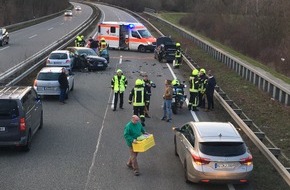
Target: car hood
(96, 57)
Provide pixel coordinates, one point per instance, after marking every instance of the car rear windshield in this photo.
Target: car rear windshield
(8, 109)
(223, 148)
(58, 56)
(87, 52)
(48, 76)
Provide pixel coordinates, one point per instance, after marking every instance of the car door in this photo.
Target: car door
(182, 142)
(37, 109)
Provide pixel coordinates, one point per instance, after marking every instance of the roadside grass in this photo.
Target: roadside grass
(270, 116)
(175, 17)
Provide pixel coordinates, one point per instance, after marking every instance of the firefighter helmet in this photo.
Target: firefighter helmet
(138, 82)
(175, 82)
(177, 44)
(195, 72)
(202, 71)
(119, 71)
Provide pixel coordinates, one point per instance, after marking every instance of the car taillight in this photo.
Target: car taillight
(47, 61)
(200, 161)
(22, 124)
(247, 161)
(67, 61)
(35, 83)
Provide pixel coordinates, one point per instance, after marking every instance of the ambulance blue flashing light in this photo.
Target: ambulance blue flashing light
(131, 26)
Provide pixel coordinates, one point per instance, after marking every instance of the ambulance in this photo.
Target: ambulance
(128, 36)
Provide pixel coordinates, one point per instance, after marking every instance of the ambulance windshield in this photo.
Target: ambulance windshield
(144, 33)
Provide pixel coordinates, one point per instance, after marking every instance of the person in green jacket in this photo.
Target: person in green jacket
(132, 130)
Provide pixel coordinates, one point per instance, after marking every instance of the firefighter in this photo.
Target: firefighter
(147, 85)
(103, 44)
(178, 58)
(82, 43)
(78, 41)
(139, 97)
(202, 87)
(119, 85)
(193, 90)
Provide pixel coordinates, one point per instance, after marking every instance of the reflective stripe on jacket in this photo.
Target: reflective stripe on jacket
(119, 84)
(194, 84)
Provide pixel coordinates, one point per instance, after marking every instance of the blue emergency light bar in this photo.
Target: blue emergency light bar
(131, 26)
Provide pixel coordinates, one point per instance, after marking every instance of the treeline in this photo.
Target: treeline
(257, 28)
(15, 11)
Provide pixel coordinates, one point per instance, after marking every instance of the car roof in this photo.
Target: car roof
(13, 92)
(60, 51)
(77, 48)
(51, 70)
(216, 131)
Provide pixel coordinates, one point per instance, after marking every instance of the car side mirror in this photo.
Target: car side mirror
(176, 129)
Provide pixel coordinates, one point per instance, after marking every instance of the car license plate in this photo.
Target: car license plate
(224, 166)
(49, 88)
(2, 129)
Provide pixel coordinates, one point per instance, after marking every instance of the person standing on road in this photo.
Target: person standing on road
(119, 85)
(210, 91)
(63, 85)
(202, 85)
(167, 100)
(193, 90)
(147, 85)
(132, 131)
(139, 96)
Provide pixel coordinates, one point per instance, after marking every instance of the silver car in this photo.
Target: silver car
(212, 152)
(60, 58)
(46, 82)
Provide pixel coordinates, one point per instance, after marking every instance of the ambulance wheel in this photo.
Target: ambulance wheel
(142, 49)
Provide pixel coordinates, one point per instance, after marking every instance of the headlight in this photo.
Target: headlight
(149, 43)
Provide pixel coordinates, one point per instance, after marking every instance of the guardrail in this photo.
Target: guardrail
(24, 68)
(277, 88)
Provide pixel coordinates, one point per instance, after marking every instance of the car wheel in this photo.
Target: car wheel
(175, 147)
(174, 108)
(27, 147)
(41, 121)
(72, 87)
(186, 173)
(142, 49)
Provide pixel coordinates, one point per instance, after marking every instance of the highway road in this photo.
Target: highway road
(81, 145)
(29, 41)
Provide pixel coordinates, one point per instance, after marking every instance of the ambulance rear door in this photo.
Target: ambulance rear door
(124, 37)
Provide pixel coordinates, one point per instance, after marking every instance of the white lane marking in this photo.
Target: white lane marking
(186, 101)
(50, 28)
(97, 146)
(4, 48)
(33, 36)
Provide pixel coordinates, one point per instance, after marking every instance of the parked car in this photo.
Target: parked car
(46, 82)
(21, 115)
(60, 58)
(78, 8)
(68, 13)
(4, 36)
(212, 152)
(87, 57)
(165, 49)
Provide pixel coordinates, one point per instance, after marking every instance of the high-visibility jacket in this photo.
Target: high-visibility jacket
(103, 45)
(138, 96)
(78, 41)
(202, 83)
(178, 54)
(119, 83)
(194, 84)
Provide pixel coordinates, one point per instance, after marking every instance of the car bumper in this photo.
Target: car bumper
(21, 142)
(197, 176)
(150, 47)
